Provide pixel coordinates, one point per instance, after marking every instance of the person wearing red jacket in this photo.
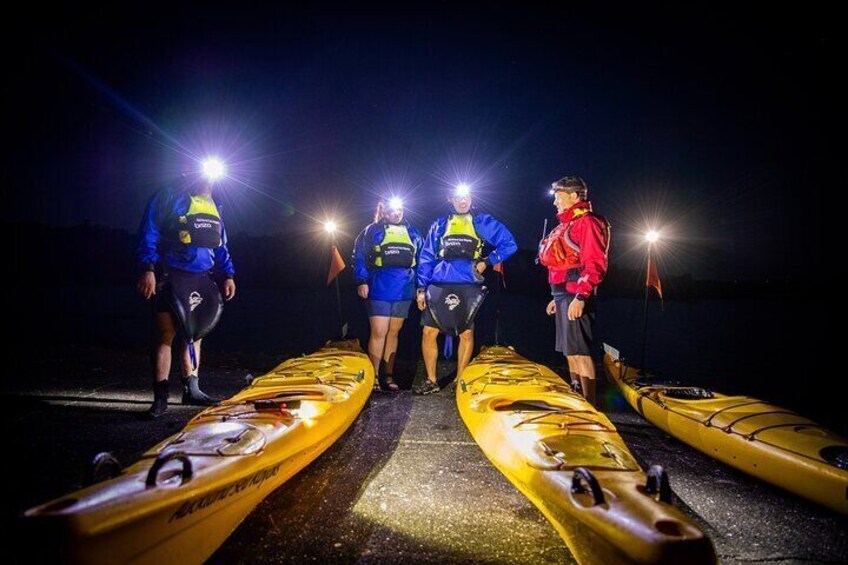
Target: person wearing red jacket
(575, 253)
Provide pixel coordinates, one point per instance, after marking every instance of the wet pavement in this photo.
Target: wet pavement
(406, 483)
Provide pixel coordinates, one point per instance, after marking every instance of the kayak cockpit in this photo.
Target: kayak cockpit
(217, 439)
(565, 452)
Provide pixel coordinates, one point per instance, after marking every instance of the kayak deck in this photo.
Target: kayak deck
(754, 436)
(189, 492)
(569, 460)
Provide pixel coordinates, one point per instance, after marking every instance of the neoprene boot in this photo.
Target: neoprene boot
(588, 389)
(193, 395)
(160, 399)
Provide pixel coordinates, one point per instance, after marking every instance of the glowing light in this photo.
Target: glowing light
(652, 236)
(395, 203)
(552, 192)
(330, 226)
(213, 168)
(462, 190)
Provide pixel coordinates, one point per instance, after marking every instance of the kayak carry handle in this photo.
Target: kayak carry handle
(462, 385)
(104, 466)
(163, 458)
(581, 475)
(657, 483)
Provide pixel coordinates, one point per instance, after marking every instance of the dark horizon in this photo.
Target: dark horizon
(714, 124)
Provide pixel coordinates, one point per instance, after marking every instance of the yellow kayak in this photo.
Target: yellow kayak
(568, 459)
(763, 440)
(187, 494)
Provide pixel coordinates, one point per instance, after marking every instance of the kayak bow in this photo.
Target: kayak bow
(187, 494)
(568, 459)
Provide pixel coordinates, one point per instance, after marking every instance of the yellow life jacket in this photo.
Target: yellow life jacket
(460, 240)
(396, 248)
(201, 226)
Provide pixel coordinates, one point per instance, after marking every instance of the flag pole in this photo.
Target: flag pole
(645, 313)
(498, 294)
(330, 227)
(342, 324)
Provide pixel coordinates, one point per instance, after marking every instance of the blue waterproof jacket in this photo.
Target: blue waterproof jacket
(432, 269)
(158, 241)
(384, 283)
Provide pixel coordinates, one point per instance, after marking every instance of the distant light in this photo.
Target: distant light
(395, 203)
(213, 169)
(652, 236)
(462, 190)
(552, 192)
(330, 226)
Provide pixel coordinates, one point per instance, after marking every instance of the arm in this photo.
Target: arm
(224, 264)
(498, 236)
(592, 239)
(149, 234)
(360, 256)
(417, 241)
(427, 256)
(223, 261)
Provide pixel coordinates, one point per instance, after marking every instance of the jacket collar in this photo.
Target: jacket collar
(404, 222)
(577, 210)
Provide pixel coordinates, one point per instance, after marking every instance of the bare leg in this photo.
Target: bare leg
(161, 363)
(466, 348)
(430, 351)
(377, 340)
(583, 368)
(164, 336)
(390, 351)
(574, 372)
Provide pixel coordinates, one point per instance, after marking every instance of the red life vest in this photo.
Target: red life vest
(559, 252)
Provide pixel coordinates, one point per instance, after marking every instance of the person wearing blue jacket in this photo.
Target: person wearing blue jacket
(181, 230)
(452, 254)
(385, 254)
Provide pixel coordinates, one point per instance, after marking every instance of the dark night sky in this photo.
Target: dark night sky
(718, 122)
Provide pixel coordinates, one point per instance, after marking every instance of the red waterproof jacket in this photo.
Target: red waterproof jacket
(575, 252)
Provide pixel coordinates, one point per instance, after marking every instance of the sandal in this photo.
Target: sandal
(427, 387)
(390, 384)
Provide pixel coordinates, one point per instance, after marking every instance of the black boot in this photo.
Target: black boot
(193, 395)
(588, 389)
(160, 400)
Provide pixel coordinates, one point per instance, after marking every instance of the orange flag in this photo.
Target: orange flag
(498, 268)
(337, 265)
(654, 277)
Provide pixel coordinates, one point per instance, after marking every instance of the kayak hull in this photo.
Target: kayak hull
(540, 435)
(768, 442)
(216, 470)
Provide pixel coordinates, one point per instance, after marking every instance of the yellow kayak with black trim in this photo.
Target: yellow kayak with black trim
(187, 494)
(569, 460)
(758, 438)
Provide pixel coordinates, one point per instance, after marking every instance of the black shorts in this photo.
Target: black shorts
(574, 337)
(428, 321)
(160, 301)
